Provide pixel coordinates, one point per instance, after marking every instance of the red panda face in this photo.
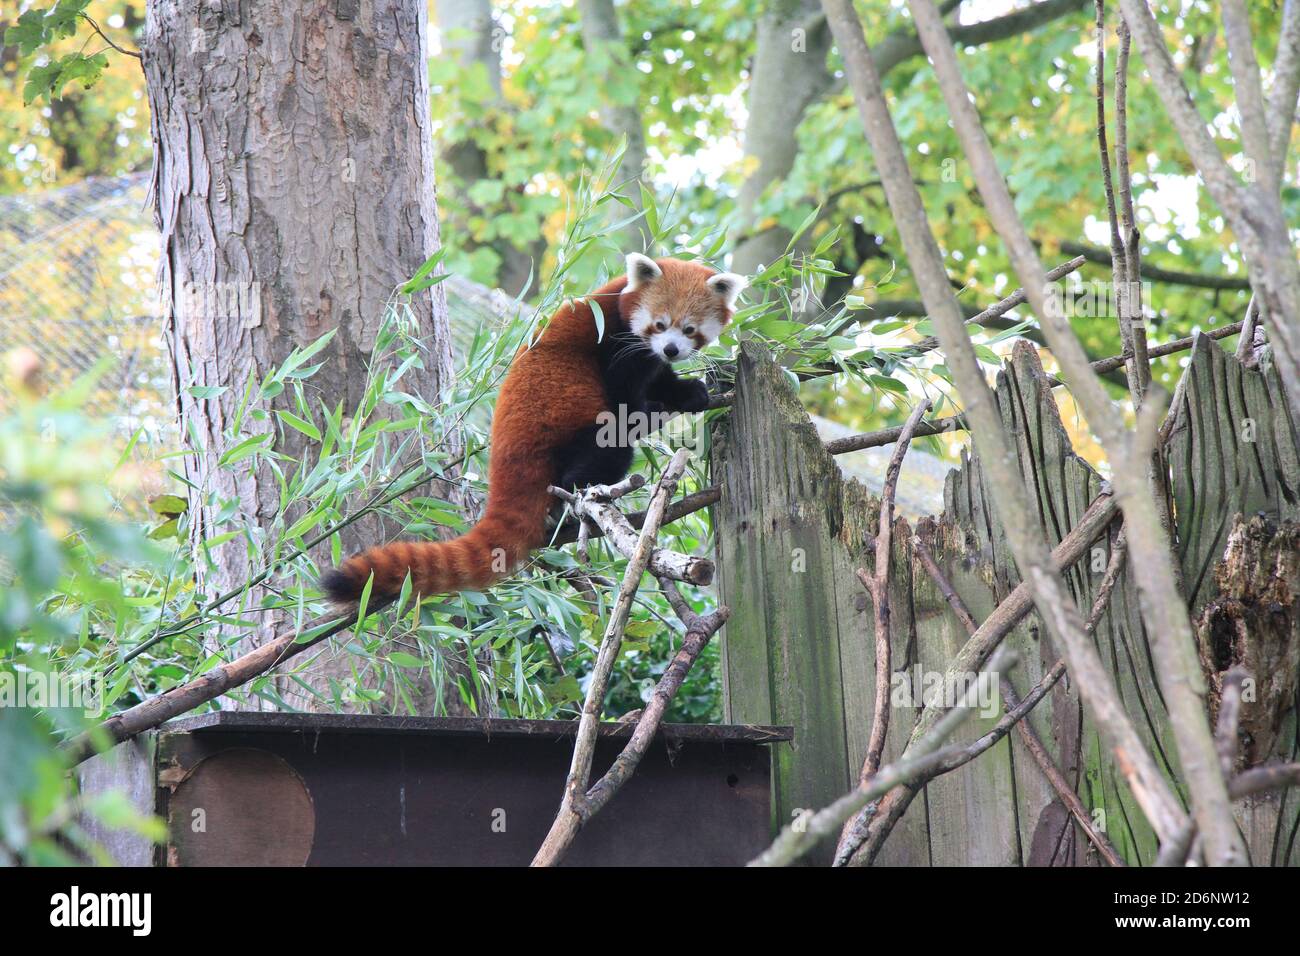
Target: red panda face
(677, 307)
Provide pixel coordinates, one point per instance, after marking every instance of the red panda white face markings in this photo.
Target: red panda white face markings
(677, 317)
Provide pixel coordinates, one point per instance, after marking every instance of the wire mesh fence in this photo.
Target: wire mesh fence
(77, 287)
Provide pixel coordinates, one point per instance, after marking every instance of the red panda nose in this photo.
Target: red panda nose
(670, 351)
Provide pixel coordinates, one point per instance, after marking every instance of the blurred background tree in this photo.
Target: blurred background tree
(739, 111)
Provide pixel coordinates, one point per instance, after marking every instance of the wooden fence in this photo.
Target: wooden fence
(799, 646)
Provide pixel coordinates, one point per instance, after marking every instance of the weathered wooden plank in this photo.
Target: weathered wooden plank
(971, 811)
(1234, 447)
(1233, 450)
(127, 769)
(856, 618)
(784, 505)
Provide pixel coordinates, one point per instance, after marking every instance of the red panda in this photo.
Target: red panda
(545, 429)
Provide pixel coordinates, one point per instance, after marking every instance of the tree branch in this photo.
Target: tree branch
(594, 504)
(802, 835)
(1164, 611)
(180, 700)
(878, 586)
(1195, 280)
(1132, 334)
(1249, 91)
(103, 36)
(1286, 88)
(699, 630)
(902, 45)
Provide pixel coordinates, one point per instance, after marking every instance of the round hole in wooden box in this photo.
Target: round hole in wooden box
(241, 807)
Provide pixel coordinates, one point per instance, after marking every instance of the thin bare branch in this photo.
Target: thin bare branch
(699, 630)
(1002, 306)
(104, 36)
(1267, 777)
(1164, 610)
(803, 834)
(1225, 733)
(1123, 277)
(878, 586)
(596, 507)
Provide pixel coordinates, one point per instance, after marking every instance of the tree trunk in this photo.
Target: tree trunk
(602, 37)
(469, 33)
(293, 171)
(788, 76)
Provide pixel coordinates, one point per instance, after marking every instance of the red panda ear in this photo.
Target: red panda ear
(728, 285)
(641, 270)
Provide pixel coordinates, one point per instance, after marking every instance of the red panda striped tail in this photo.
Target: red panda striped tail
(488, 552)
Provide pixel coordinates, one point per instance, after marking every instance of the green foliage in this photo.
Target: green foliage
(102, 586)
(75, 577)
(545, 126)
(39, 27)
(86, 113)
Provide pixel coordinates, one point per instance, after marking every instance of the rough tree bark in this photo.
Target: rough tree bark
(294, 189)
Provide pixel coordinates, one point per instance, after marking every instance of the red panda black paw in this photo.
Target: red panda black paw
(694, 397)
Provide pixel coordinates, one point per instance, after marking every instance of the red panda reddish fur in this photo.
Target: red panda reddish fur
(554, 389)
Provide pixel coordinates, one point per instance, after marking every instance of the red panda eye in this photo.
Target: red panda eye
(660, 326)
(689, 330)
